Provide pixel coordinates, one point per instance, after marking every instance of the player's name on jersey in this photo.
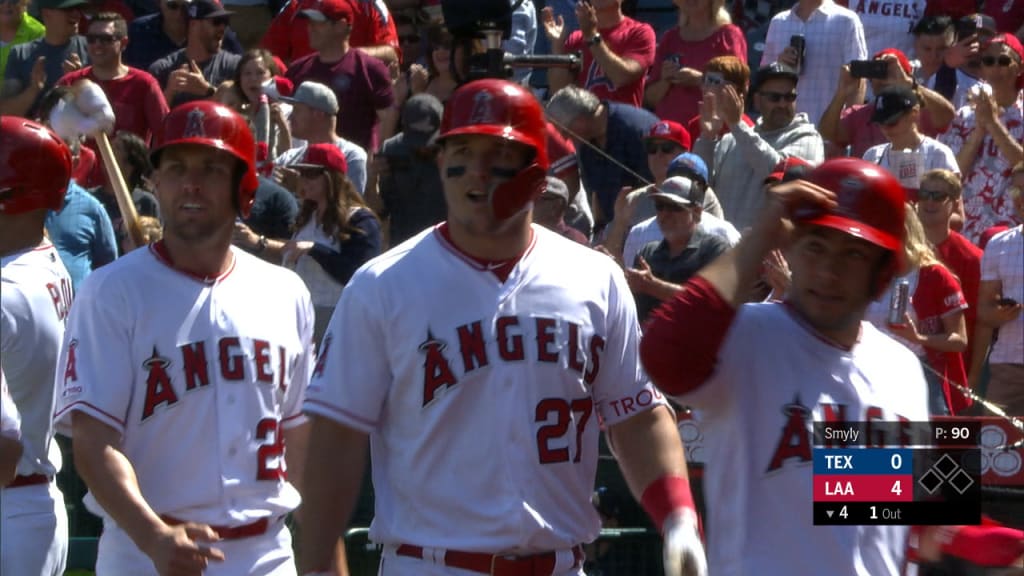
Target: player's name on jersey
(894, 513)
(834, 432)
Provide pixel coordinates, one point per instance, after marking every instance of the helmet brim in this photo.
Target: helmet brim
(857, 229)
(504, 132)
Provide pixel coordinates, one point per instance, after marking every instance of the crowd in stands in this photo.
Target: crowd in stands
(661, 142)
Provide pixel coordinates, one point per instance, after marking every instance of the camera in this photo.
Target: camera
(714, 79)
(870, 69)
(799, 43)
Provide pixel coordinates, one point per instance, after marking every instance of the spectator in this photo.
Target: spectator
(132, 157)
(82, 233)
(886, 25)
(335, 232)
(933, 36)
(705, 31)
(157, 35)
(661, 268)
(565, 166)
(955, 9)
(897, 113)
(1000, 301)
(933, 326)
(971, 33)
(733, 72)
(252, 19)
(273, 215)
(313, 117)
(617, 51)
(753, 16)
(740, 161)
(833, 36)
(195, 71)
(1008, 14)
(255, 69)
(987, 136)
(138, 103)
(410, 40)
(602, 128)
(373, 31)
(666, 142)
(34, 67)
(549, 210)
(937, 202)
(361, 83)
(16, 27)
(844, 125)
(411, 195)
(523, 36)
(440, 80)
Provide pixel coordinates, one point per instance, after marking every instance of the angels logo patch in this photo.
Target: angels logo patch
(483, 109)
(195, 124)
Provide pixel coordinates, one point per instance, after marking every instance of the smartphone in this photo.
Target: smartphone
(799, 43)
(966, 27)
(1006, 302)
(714, 79)
(870, 69)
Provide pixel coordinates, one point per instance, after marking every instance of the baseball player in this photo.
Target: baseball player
(763, 373)
(183, 371)
(35, 167)
(480, 358)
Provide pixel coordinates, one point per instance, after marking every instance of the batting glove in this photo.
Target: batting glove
(683, 552)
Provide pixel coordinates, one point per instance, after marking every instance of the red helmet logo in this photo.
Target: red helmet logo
(194, 126)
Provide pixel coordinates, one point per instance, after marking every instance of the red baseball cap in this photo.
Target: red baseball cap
(323, 156)
(900, 56)
(788, 168)
(671, 131)
(328, 10)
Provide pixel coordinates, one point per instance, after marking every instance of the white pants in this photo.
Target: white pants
(269, 554)
(393, 565)
(33, 531)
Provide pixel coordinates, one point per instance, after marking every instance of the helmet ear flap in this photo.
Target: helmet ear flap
(513, 196)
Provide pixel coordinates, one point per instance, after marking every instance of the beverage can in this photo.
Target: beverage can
(898, 303)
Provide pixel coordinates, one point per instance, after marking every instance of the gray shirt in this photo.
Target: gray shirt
(23, 57)
(217, 69)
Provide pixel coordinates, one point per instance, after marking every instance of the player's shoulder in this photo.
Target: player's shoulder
(412, 255)
(260, 273)
(876, 344)
(551, 244)
(123, 272)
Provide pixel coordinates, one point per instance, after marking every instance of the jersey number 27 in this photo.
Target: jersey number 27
(563, 411)
(270, 455)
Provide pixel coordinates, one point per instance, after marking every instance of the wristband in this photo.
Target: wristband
(664, 496)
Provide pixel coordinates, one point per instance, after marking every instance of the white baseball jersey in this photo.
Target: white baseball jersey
(10, 420)
(774, 378)
(887, 24)
(199, 375)
(36, 296)
(483, 399)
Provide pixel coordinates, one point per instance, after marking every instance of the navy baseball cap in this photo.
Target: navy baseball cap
(690, 165)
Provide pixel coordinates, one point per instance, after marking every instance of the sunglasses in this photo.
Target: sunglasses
(668, 207)
(409, 39)
(776, 97)
(1004, 61)
(663, 147)
(932, 195)
(219, 21)
(107, 39)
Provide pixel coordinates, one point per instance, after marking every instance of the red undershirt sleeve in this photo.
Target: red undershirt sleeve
(681, 340)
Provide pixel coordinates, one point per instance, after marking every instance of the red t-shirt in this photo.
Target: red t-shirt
(87, 170)
(288, 40)
(681, 102)
(964, 259)
(138, 102)
(863, 134)
(362, 85)
(693, 127)
(628, 39)
(1008, 14)
(938, 294)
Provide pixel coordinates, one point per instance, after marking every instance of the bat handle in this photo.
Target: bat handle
(124, 197)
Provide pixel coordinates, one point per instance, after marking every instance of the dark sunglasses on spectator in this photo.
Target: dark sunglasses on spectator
(107, 39)
(663, 147)
(933, 195)
(409, 39)
(220, 21)
(665, 206)
(777, 97)
(990, 61)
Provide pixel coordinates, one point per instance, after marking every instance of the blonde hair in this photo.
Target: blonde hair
(947, 177)
(916, 247)
(152, 230)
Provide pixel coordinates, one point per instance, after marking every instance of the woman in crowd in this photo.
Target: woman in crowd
(933, 326)
(256, 67)
(987, 135)
(335, 232)
(441, 81)
(705, 31)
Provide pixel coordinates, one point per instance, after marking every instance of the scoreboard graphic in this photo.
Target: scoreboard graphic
(932, 477)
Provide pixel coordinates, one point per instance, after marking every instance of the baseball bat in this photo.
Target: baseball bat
(129, 216)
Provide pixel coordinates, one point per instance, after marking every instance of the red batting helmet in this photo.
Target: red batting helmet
(505, 110)
(210, 124)
(870, 206)
(35, 167)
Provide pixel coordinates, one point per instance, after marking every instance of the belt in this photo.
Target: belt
(542, 564)
(229, 532)
(30, 480)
